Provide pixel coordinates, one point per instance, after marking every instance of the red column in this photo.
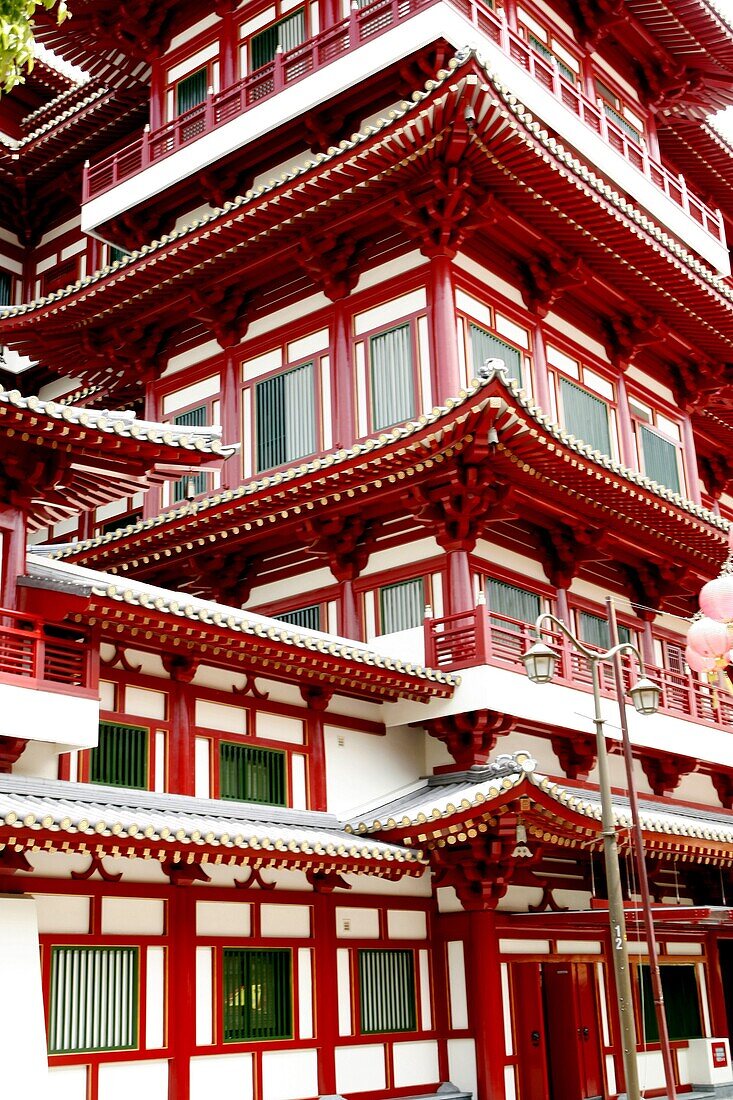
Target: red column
(443, 335)
(483, 974)
(460, 595)
(14, 535)
(325, 988)
(349, 619)
(157, 94)
(647, 643)
(625, 428)
(342, 376)
(541, 373)
(152, 501)
(563, 607)
(181, 746)
(229, 69)
(716, 994)
(231, 418)
(689, 454)
(181, 988)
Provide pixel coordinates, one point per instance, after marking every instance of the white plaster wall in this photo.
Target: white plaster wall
(49, 716)
(23, 1034)
(285, 920)
(289, 1074)
(141, 916)
(67, 1083)
(360, 1068)
(121, 1080)
(462, 1065)
(367, 767)
(38, 759)
(415, 1063)
(222, 1075)
(56, 913)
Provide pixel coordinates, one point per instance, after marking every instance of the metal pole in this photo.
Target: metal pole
(619, 946)
(646, 902)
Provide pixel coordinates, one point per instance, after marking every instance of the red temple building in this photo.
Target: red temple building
(340, 342)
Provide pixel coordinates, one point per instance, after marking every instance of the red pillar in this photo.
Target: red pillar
(14, 535)
(349, 619)
(157, 94)
(181, 990)
(231, 418)
(689, 454)
(541, 373)
(152, 501)
(342, 376)
(460, 587)
(647, 643)
(325, 988)
(627, 445)
(563, 607)
(483, 974)
(181, 747)
(443, 334)
(716, 994)
(228, 71)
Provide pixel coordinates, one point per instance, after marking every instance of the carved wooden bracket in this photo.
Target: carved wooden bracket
(325, 882)
(596, 18)
(184, 874)
(482, 876)
(316, 697)
(12, 861)
(228, 578)
(225, 312)
(344, 541)
(626, 335)
(254, 878)
(547, 902)
(471, 735)
(180, 667)
(119, 658)
(576, 752)
(716, 473)
(665, 771)
(96, 866)
(546, 278)
(650, 585)
(446, 208)
(11, 748)
(457, 510)
(723, 783)
(250, 688)
(565, 549)
(332, 263)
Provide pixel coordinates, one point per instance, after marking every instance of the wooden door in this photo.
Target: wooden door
(588, 1029)
(562, 1029)
(528, 1019)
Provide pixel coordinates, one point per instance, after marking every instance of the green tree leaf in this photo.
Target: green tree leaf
(16, 36)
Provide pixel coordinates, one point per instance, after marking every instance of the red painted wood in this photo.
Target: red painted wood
(231, 418)
(460, 584)
(443, 333)
(349, 624)
(483, 972)
(627, 445)
(342, 378)
(316, 774)
(563, 1027)
(325, 997)
(181, 990)
(181, 741)
(539, 362)
(530, 1040)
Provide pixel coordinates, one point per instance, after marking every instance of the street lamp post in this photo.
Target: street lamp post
(540, 661)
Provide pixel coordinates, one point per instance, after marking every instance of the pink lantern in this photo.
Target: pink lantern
(709, 638)
(716, 598)
(697, 662)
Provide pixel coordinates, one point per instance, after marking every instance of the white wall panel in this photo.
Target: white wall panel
(407, 924)
(357, 924)
(121, 1080)
(279, 727)
(145, 703)
(298, 785)
(415, 1063)
(223, 1075)
(457, 985)
(223, 918)
(23, 1034)
(343, 983)
(285, 920)
(360, 1069)
(67, 1083)
(388, 312)
(462, 1064)
(204, 996)
(305, 992)
(62, 914)
(202, 767)
(426, 1001)
(308, 345)
(195, 394)
(289, 1074)
(216, 716)
(123, 916)
(155, 999)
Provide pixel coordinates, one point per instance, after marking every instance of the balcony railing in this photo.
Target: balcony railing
(34, 657)
(480, 637)
(363, 25)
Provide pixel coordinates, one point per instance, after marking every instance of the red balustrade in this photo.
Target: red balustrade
(363, 25)
(480, 637)
(32, 656)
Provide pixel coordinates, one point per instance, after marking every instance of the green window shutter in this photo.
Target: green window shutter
(681, 1003)
(660, 459)
(622, 123)
(540, 48)
(249, 774)
(191, 91)
(257, 991)
(585, 416)
(193, 418)
(285, 417)
(94, 997)
(515, 603)
(387, 991)
(121, 757)
(595, 631)
(307, 617)
(288, 33)
(393, 385)
(6, 286)
(484, 345)
(116, 254)
(402, 605)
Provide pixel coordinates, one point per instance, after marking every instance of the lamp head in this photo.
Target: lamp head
(540, 661)
(645, 696)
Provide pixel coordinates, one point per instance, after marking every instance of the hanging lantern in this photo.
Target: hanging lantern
(697, 662)
(716, 598)
(709, 638)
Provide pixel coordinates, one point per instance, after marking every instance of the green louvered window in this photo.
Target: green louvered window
(484, 345)
(544, 51)
(387, 991)
(681, 1003)
(402, 605)
(6, 289)
(249, 774)
(191, 91)
(595, 631)
(585, 416)
(307, 617)
(193, 418)
(392, 378)
(257, 988)
(660, 459)
(93, 1003)
(121, 756)
(285, 417)
(288, 34)
(515, 603)
(622, 123)
(116, 254)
